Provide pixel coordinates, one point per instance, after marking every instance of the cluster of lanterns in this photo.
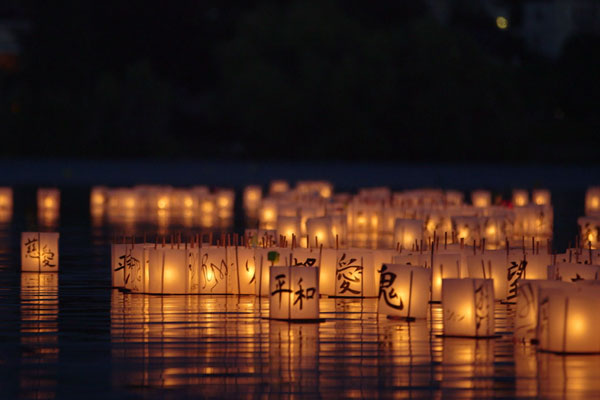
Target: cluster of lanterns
(163, 205)
(308, 244)
(378, 215)
(589, 225)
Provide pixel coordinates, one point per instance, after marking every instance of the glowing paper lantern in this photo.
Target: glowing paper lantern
(568, 321)
(541, 197)
(225, 201)
(48, 199)
(252, 198)
(289, 227)
(245, 268)
(354, 274)
(264, 259)
(481, 198)
(278, 187)
(494, 265)
(454, 198)
(589, 228)
(294, 293)
(6, 199)
(39, 251)
(407, 232)
(444, 266)
(404, 291)
(135, 267)
(216, 271)
(592, 201)
(468, 307)
(526, 314)
(467, 228)
(267, 215)
(520, 197)
(320, 228)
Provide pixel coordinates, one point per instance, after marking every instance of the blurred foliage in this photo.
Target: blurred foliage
(312, 79)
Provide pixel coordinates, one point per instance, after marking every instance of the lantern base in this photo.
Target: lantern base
(469, 337)
(298, 321)
(407, 319)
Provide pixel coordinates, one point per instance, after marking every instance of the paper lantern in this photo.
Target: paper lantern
(320, 229)
(48, 199)
(481, 198)
(467, 228)
(526, 313)
(407, 232)
(592, 201)
(568, 321)
(454, 198)
(294, 293)
(216, 271)
(278, 187)
(520, 197)
(289, 227)
(589, 228)
(39, 251)
(264, 259)
(6, 199)
(468, 307)
(245, 268)
(495, 265)
(438, 223)
(225, 201)
(541, 197)
(267, 215)
(404, 291)
(443, 266)
(129, 267)
(252, 198)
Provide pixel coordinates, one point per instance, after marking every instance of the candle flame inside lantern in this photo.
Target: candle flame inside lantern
(577, 325)
(207, 207)
(595, 202)
(491, 230)
(129, 202)
(188, 202)
(48, 202)
(162, 203)
(209, 275)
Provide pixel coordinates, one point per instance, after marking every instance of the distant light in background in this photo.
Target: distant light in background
(502, 22)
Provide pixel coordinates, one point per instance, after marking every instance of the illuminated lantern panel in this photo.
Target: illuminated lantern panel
(589, 228)
(294, 293)
(48, 199)
(454, 198)
(39, 251)
(468, 307)
(354, 274)
(404, 291)
(568, 321)
(134, 264)
(444, 266)
(319, 231)
(526, 314)
(494, 265)
(167, 271)
(520, 197)
(245, 268)
(264, 258)
(541, 197)
(481, 198)
(592, 201)
(289, 227)
(225, 200)
(408, 232)
(216, 273)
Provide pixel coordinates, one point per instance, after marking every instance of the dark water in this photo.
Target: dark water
(69, 335)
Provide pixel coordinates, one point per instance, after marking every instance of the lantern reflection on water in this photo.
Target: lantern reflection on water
(468, 306)
(294, 293)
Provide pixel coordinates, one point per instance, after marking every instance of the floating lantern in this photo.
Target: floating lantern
(454, 198)
(444, 266)
(467, 228)
(320, 230)
(278, 187)
(6, 199)
(589, 228)
(39, 252)
(592, 201)
(245, 269)
(494, 265)
(264, 259)
(404, 291)
(48, 199)
(468, 307)
(252, 198)
(520, 197)
(289, 227)
(216, 271)
(354, 274)
(526, 314)
(267, 215)
(225, 201)
(294, 293)
(407, 232)
(541, 197)
(568, 321)
(481, 198)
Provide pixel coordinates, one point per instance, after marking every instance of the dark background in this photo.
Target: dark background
(294, 80)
